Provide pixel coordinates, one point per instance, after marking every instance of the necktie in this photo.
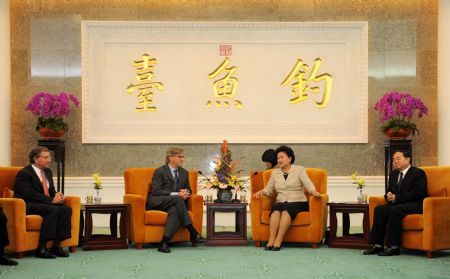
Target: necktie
(400, 180)
(44, 183)
(177, 180)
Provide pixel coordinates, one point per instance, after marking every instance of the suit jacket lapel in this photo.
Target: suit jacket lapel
(168, 173)
(37, 179)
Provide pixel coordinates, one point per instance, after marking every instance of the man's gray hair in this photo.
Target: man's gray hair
(173, 151)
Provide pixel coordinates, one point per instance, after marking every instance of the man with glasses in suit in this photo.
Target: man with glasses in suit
(170, 189)
(405, 194)
(34, 184)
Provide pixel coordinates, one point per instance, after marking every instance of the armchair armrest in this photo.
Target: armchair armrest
(256, 211)
(374, 202)
(195, 205)
(436, 223)
(137, 216)
(74, 203)
(15, 211)
(318, 211)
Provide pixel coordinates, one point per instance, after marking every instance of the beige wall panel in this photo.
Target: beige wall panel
(402, 57)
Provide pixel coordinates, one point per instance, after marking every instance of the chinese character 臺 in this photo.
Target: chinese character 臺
(145, 85)
(301, 85)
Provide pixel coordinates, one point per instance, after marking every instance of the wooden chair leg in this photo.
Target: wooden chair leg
(139, 246)
(429, 254)
(257, 243)
(314, 245)
(19, 255)
(72, 249)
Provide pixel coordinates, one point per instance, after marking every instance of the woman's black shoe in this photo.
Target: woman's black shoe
(268, 248)
(276, 248)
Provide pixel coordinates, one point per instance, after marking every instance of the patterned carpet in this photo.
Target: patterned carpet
(232, 262)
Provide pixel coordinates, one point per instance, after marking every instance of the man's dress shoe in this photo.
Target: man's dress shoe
(164, 247)
(374, 250)
(196, 240)
(59, 252)
(390, 252)
(43, 253)
(5, 260)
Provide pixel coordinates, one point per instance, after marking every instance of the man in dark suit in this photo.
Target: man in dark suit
(406, 191)
(170, 189)
(34, 184)
(4, 259)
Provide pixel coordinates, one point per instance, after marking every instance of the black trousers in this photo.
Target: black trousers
(175, 207)
(4, 240)
(390, 216)
(56, 222)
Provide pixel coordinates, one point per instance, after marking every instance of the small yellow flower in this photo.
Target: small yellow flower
(97, 181)
(358, 181)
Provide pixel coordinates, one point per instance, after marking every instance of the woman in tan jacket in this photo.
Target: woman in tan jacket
(289, 182)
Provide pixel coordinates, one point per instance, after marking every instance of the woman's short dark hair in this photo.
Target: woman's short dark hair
(270, 156)
(35, 152)
(288, 151)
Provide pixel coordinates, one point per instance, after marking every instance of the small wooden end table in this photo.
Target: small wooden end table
(347, 240)
(236, 238)
(100, 241)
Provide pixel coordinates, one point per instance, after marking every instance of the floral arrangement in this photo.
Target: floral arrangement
(360, 183)
(97, 181)
(51, 108)
(396, 110)
(225, 176)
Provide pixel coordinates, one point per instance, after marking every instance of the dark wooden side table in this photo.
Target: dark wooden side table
(236, 238)
(101, 241)
(347, 240)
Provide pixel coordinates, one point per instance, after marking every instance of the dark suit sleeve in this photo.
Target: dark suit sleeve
(392, 179)
(416, 190)
(51, 186)
(185, 181)
(27, 188)
(161, 185)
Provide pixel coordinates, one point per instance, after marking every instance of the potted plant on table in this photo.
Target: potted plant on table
(51, 110)
(360, 183)
(97, 187)
(396, 111)
(225, 178)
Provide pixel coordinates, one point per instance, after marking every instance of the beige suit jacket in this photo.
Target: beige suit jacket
(291, 189)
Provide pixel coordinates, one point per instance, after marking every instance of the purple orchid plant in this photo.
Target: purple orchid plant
(396, 110)
(51, 109)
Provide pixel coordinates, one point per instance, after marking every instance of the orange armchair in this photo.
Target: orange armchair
(24, 230)
(429, 231)
(308, 226)
(147, 226)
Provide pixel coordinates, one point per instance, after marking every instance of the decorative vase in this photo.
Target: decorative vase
(97, 198)
(48, 133)
(399, 134)
(360, 196)
(224, 195)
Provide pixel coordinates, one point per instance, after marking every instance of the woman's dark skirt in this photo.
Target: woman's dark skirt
(293, 208)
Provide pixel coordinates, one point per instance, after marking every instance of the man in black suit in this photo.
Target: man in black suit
(170, 189)
(406, 192)
(34, 184)
(4, 259)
